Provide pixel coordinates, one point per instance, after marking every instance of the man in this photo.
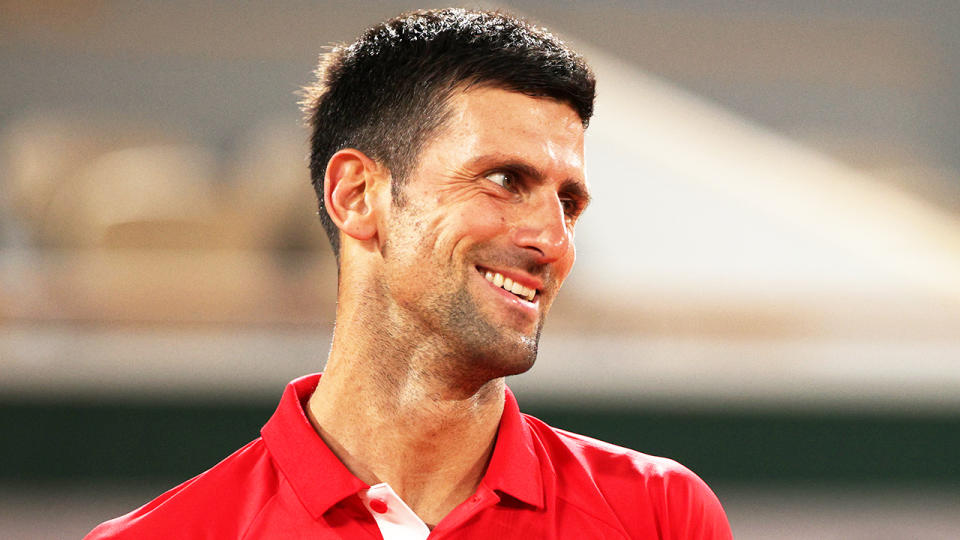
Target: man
(447, 155)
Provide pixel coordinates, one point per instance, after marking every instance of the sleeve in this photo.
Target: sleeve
(693, 511)
(143, 523)
(219, 503)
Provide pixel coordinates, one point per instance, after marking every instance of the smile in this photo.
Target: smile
(509, 285)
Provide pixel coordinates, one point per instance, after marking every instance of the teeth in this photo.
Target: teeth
(506, 283)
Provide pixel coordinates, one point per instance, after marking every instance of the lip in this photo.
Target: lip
(531, 309)
(518, 277)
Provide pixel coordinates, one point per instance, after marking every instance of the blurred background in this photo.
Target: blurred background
(767, 290)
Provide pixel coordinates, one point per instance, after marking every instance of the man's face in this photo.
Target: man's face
(495, 197)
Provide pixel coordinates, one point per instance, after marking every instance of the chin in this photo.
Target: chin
(486, 349)
(525, 356)
(505, 357)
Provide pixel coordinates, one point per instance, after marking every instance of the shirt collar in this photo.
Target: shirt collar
(514, 467)
(320, 480)
(314, 472)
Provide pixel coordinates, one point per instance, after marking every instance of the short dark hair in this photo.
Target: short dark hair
(386, 94)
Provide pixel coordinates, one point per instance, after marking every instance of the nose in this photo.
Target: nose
(542, 227)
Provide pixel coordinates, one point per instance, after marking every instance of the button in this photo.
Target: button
(378, 506)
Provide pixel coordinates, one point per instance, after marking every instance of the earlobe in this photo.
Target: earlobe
(348, 191)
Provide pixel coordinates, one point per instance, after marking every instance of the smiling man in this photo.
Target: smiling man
(447, 155)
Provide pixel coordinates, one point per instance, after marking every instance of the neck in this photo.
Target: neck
(391, 415)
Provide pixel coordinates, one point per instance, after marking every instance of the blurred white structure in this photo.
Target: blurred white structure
(722, 263)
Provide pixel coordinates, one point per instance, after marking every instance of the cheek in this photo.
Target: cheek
(472, 223)
(482, 219)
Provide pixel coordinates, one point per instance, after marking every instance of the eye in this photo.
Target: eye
(502, 179)
(570, 206)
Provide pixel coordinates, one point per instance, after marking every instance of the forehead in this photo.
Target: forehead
(545, 133)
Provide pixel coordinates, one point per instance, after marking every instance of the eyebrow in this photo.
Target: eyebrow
(572, 186)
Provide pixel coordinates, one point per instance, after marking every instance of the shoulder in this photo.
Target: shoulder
(217, 503)
(638, 488)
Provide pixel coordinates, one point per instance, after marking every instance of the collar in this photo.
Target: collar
(514, 467)
(313, 471)
(321, 481)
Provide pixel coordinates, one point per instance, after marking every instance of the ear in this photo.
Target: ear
(349, 192)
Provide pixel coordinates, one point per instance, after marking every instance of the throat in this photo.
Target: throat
(416, 443)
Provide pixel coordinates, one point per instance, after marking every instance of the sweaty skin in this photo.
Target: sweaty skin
(412, 392)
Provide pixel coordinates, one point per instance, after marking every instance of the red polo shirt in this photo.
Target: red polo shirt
(541, 483)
